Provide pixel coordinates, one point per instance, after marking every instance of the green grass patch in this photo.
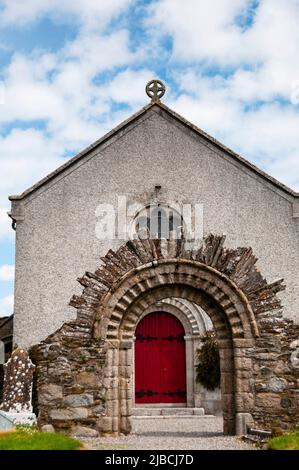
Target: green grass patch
(285, 442)
(29, 438)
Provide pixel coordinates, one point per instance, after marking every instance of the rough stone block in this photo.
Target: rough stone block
(242, 363)
(268, 400)
(96, 411)
(88, 379)
(84, 431)
(47, 428)
(83, 399)
(242, 385)
(244, 402)
(69, 414)
(49, 393)
(277, 384)
(105, 424)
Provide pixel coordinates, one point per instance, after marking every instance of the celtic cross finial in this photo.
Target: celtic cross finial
(155, 89)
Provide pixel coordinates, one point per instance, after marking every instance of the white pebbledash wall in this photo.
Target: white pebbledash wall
(56, 241)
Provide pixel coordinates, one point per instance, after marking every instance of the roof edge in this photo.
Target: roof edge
(130, 120)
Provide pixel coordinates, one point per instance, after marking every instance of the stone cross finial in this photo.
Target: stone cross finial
(155, 89)
(18, 378)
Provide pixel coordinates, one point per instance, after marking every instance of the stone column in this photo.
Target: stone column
(125, 386)
(190, 370)
(110, 422)
(244, 395)
(227, 385)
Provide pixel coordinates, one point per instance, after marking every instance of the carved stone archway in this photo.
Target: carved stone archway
(85, 368)
(225, 304)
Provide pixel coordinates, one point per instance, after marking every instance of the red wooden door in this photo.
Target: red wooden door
(160, 360)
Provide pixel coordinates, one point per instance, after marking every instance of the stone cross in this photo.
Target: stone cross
(18, 379)
(155, 89)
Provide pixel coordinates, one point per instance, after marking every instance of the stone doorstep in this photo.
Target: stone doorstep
(174, 416)
(167, 412)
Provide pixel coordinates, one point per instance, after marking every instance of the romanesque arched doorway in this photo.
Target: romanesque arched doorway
(225, 304)
(160, 360)
(90, 359)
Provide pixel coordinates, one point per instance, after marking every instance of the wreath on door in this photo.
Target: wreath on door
(208, 366)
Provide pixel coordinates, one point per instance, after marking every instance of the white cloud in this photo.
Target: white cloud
(7, 272)
(129, 87)
(58, 88)
(91, 13)
(262, 59)
(26, 154)
(6, 231)
(267, 134)
(59, 91)
(210, 31)
(246, 92)
(6, 305)
(63, 89)
(199, 29)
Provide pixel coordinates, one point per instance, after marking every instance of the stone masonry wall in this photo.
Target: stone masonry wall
(276, 375)
(72, 363)
(71, 393)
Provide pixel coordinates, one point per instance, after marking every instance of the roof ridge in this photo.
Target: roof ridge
(131, 119)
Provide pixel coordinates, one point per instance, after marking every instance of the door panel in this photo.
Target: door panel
(160, 360)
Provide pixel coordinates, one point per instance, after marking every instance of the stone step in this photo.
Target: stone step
(260, 433)
(138, 412)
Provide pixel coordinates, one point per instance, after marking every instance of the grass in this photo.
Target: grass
(29, 438)
(285, 442)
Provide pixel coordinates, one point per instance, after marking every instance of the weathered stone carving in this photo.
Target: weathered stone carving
(18, 379)
(16, 406)
(84, 368)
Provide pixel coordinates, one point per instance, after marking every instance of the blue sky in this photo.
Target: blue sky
(71, 70)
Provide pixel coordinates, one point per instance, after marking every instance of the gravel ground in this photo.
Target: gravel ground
(153, 433)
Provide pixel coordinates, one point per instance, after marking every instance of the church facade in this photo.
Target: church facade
(135, 248)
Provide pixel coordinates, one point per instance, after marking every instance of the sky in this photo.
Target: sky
(70, 70)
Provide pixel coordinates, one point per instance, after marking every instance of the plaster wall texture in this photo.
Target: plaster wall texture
(56, 241)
